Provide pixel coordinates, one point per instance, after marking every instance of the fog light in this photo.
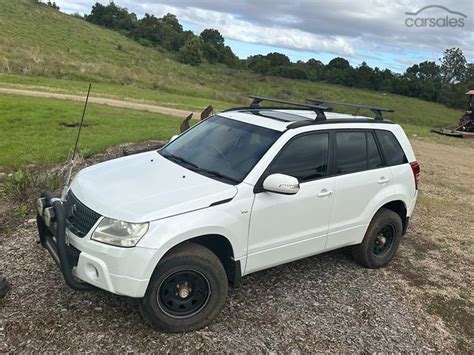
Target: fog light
(40, 205)
(92, 271)
(48, 216)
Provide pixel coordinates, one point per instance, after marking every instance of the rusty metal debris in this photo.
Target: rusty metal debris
(183, 127)
(185, 124)
(465, 126)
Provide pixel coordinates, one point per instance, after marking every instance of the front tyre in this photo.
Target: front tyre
(380, 241)
(187, 290)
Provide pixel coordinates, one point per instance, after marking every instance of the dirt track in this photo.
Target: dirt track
(102, 101)
(422, 302)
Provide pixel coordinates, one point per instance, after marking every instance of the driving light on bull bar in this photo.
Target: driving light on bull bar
(119, 233)
(48, 216)
(40, 205)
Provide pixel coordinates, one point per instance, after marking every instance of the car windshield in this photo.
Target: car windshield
(221, 148)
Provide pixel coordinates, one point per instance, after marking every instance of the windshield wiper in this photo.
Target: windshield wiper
(177, 159)
(196, 168)
(217, 174)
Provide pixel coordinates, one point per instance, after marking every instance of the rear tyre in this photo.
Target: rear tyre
(381, 240)
(187, 290)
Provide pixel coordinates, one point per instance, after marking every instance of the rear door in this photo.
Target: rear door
(289, 227)
(403, 181)
(361, 175)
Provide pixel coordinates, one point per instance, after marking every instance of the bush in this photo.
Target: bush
(290, 72)
(191, 53)
(25, 183)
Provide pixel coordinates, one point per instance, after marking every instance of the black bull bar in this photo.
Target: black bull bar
(52, 236)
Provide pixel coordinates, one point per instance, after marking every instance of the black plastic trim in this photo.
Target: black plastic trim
(235, 274)
(305, 123)
(65, 256)
(405, 225)
(221, 202)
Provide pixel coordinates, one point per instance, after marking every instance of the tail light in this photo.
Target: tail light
(415, 168)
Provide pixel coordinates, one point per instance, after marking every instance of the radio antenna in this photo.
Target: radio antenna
(70, 165)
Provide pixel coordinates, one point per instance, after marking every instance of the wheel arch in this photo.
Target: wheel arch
(222, 248)
(400, 208)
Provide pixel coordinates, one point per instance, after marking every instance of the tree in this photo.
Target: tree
(191, 53)
(364, 77)
(112, 16)
(288, 71)
(277, 59)
(213, 37)
(258, 64)
(315, 69)
(210, 53)
(149, 28)
(227, 57)
(453, 66)
(172, 21)
(53, 5)
(424, 71)
(338, 63)
(171, 39)
(469, 77)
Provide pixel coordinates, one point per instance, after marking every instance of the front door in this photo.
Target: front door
(289, 227)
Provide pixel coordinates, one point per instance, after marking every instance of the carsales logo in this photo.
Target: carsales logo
(423, 18)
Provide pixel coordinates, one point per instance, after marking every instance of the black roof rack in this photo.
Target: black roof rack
(255, 105)
(376, 110)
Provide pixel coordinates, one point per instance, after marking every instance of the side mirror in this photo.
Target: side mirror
(174, 137)
(282, 184)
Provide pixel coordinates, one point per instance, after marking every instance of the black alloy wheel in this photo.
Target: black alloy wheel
(183, 293)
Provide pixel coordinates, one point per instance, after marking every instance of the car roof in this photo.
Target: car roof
(281, 119)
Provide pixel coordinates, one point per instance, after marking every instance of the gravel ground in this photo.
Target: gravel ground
(322, 303)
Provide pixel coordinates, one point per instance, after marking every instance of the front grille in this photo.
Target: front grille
(80, 218)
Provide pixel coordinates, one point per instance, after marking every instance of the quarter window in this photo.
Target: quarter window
(391, 149)
(305, 157)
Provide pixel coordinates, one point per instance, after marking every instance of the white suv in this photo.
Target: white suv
(243, 190)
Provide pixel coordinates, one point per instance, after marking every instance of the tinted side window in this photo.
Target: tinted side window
(391, 149)
(305, 157)
(374, 158)
(351, 152)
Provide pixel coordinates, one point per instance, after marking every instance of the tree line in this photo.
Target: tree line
(444, 82)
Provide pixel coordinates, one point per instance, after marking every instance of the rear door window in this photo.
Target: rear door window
(351, 152)
(391, 149)
(356, 151)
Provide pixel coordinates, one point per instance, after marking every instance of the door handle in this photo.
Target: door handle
(324, 193)
(383, 180)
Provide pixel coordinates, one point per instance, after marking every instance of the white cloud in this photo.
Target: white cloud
(245, 31)
(338, 27)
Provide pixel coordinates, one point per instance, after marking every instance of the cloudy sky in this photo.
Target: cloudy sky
(376, 31)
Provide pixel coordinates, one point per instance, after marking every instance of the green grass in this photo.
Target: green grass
(30, 132)
(43, 49)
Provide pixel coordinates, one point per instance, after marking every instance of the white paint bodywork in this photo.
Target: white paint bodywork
(264, 229)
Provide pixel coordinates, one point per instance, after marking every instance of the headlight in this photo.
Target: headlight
(119, 233)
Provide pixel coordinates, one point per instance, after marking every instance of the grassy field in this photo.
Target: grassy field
(30, 130)
(43, 49)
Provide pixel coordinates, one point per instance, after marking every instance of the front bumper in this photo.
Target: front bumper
(86, 264)
(114, 269)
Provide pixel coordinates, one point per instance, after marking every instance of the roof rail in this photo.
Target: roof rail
(318, 109)
(376, 110)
